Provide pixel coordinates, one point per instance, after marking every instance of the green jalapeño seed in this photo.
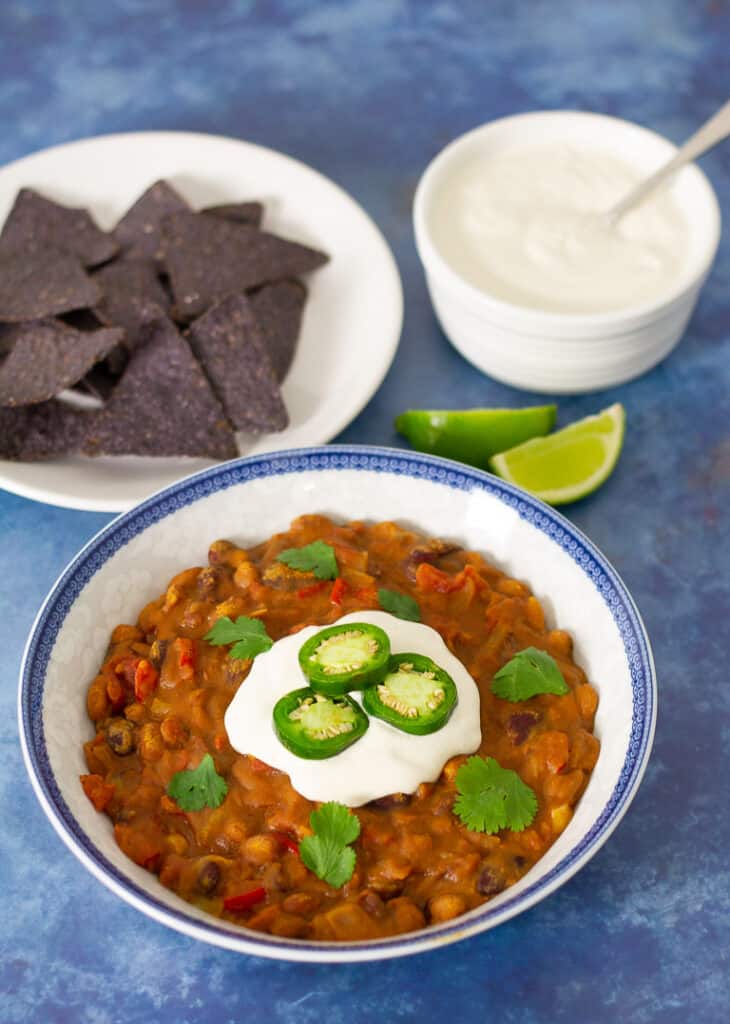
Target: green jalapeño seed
(345, 657)
(313, 726)
(416, 695)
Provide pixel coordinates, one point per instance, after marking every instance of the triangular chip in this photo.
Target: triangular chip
(278, 311)
(35, 221)
(48, 356)
(138, 232)
(133, 296)
(40, 282)
(231, 350)
(246, 213)
(209, 258)
(34, 432)
(163, 405)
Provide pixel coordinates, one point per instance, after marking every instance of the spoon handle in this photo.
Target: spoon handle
(711, 132)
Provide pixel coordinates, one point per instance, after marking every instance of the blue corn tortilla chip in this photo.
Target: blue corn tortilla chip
(138, 232)
(278, 311)
(41, 281)
(35, 221)
(132, 296)
(30, 433)
(247, 213)
(231, 350)
(208, 258)
(47, 356)
(163, 404)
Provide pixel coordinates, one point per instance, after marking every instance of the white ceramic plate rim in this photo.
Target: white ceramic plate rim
(371, 303)
(122, 529)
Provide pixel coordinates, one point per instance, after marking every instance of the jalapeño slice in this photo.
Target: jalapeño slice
(416, 695)
(345, 657)
(314, 726)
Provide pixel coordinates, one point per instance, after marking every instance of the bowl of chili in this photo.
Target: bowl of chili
(543, 564)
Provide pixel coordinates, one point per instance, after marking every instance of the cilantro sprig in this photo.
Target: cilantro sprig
(529, 673)
(492, 798)
(327, 853)
(401, 605)
(248, 636)
(197, 788)
(317, 557)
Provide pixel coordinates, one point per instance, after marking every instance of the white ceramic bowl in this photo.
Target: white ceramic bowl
(130, 561)
(565, 353)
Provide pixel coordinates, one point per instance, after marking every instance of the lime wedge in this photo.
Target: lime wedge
(473, 435)
(568, 464)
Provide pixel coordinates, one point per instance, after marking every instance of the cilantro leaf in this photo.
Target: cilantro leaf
(530, 672)
(492, 798)
(317, 557)
(327, 852)
(402, 605)
(201, 787)
(248, 635)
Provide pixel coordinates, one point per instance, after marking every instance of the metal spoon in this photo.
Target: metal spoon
(711, 132)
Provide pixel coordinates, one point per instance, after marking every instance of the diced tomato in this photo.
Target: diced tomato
(314, 588)
(98, 791)
(287, 842)
(428, 577)
(245, 900)
(145, 679)
(185, 650)
(138, 846)
(339, 589)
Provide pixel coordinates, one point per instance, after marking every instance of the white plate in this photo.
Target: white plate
(352, 321)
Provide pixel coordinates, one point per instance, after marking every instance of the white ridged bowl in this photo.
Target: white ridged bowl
(565, 353)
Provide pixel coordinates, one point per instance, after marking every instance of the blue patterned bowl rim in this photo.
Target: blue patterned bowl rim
(200, 485)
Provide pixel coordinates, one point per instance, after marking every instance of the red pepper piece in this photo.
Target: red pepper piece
(339, 589)
(314, 588)
(428, 577)
(98, 791)
(245, 900)
(145, 679)
(287, 842)
(185, 649)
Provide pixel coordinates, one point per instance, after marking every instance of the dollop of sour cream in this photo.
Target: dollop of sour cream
(386, 760)
(524, 226)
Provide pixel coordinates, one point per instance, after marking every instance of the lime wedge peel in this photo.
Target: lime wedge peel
(473, 435)
(569, 464)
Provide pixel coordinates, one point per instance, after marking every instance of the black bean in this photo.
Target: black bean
(218, 551)
(520, 725)
(489, 882)
(158, 649)
(371, 902)
(208, 580)
(120, 736)
(209, 876)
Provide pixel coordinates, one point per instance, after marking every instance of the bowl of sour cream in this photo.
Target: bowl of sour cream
(527, 278)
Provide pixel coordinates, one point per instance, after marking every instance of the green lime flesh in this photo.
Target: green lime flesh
(569, 464)
(473, 435)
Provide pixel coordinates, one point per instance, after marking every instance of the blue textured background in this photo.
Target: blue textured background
(367, 92)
